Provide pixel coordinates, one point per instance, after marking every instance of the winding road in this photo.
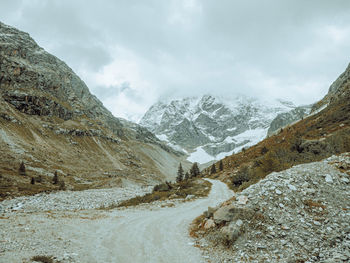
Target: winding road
(157, 235)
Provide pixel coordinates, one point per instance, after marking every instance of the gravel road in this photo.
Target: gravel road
(156, 235)
(149, 233)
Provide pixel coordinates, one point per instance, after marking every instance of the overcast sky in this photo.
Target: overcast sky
(133, 53)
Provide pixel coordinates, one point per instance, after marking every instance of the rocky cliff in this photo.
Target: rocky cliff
(50, 121)
(338, 90)
(286, 118)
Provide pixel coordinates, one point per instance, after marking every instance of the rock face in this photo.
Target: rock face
(285, 118)
(297, 215)
(50, 121)
(213, 125)
(339, 89)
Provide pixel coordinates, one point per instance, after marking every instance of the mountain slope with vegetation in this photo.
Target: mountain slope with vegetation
(291, 204)
(314, 138)
(51, 124)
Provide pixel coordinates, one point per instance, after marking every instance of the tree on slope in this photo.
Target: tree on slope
(221, 165)
(213, 169)
(194, 170)
(187, 176)
(180, 174)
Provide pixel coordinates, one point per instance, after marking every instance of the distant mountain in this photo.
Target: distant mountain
(211, 127)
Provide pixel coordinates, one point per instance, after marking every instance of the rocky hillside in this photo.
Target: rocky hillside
(298, 215)
(51, 122)
(339, 89)
(210, 127)
(287, 118)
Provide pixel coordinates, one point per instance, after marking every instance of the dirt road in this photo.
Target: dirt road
(159, 235)
(147, 234)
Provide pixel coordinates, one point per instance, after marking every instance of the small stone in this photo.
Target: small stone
(278, 192)
(329, 178)
(281, 205)
(316, 223)
(284, 242)
(209, 224)
(292, 187)
(345, 180)
(239, 222)
(242, 199)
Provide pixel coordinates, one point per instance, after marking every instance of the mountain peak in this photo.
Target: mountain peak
(212, 125)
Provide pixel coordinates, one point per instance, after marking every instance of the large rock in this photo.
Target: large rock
(231, 213)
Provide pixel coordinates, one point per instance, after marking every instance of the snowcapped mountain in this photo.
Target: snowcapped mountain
(210, 127)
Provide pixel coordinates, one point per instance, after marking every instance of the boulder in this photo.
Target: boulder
(209, 213)
(232, 231)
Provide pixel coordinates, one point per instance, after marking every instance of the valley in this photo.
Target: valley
(78, 184)
(147, 233)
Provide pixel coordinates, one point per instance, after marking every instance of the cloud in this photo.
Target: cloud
(132, 53)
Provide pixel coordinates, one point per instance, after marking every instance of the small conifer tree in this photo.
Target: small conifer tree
(180, 174)
(221, 165)
(187, 176)
(194, 170)
(213, 169)
(32, 180)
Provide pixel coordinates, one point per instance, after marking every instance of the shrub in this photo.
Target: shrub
(22, 169)
(43, 259)
(243, 175)
(62, 185)
(264, 150)
(55, 178)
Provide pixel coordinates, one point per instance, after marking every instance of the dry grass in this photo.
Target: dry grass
(196, 226)
(197, 188)
(43, 259)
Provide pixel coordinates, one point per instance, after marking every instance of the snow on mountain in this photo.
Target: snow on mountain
(210, 127)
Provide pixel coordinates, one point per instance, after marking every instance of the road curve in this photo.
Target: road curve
(152, 236)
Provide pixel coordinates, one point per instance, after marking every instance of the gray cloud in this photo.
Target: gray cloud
(271, 48)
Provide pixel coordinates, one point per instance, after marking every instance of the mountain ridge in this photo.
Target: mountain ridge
(51, 122)
(207, 126)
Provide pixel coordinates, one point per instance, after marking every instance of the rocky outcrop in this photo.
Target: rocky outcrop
(339, 89)
(37, 82)
(35, 105)
(286, 118)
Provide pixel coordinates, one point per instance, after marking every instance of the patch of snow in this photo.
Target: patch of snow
(254, 136)
(200, 156)
(162, 137)
(232, 129)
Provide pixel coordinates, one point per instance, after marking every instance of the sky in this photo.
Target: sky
(133, 53)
